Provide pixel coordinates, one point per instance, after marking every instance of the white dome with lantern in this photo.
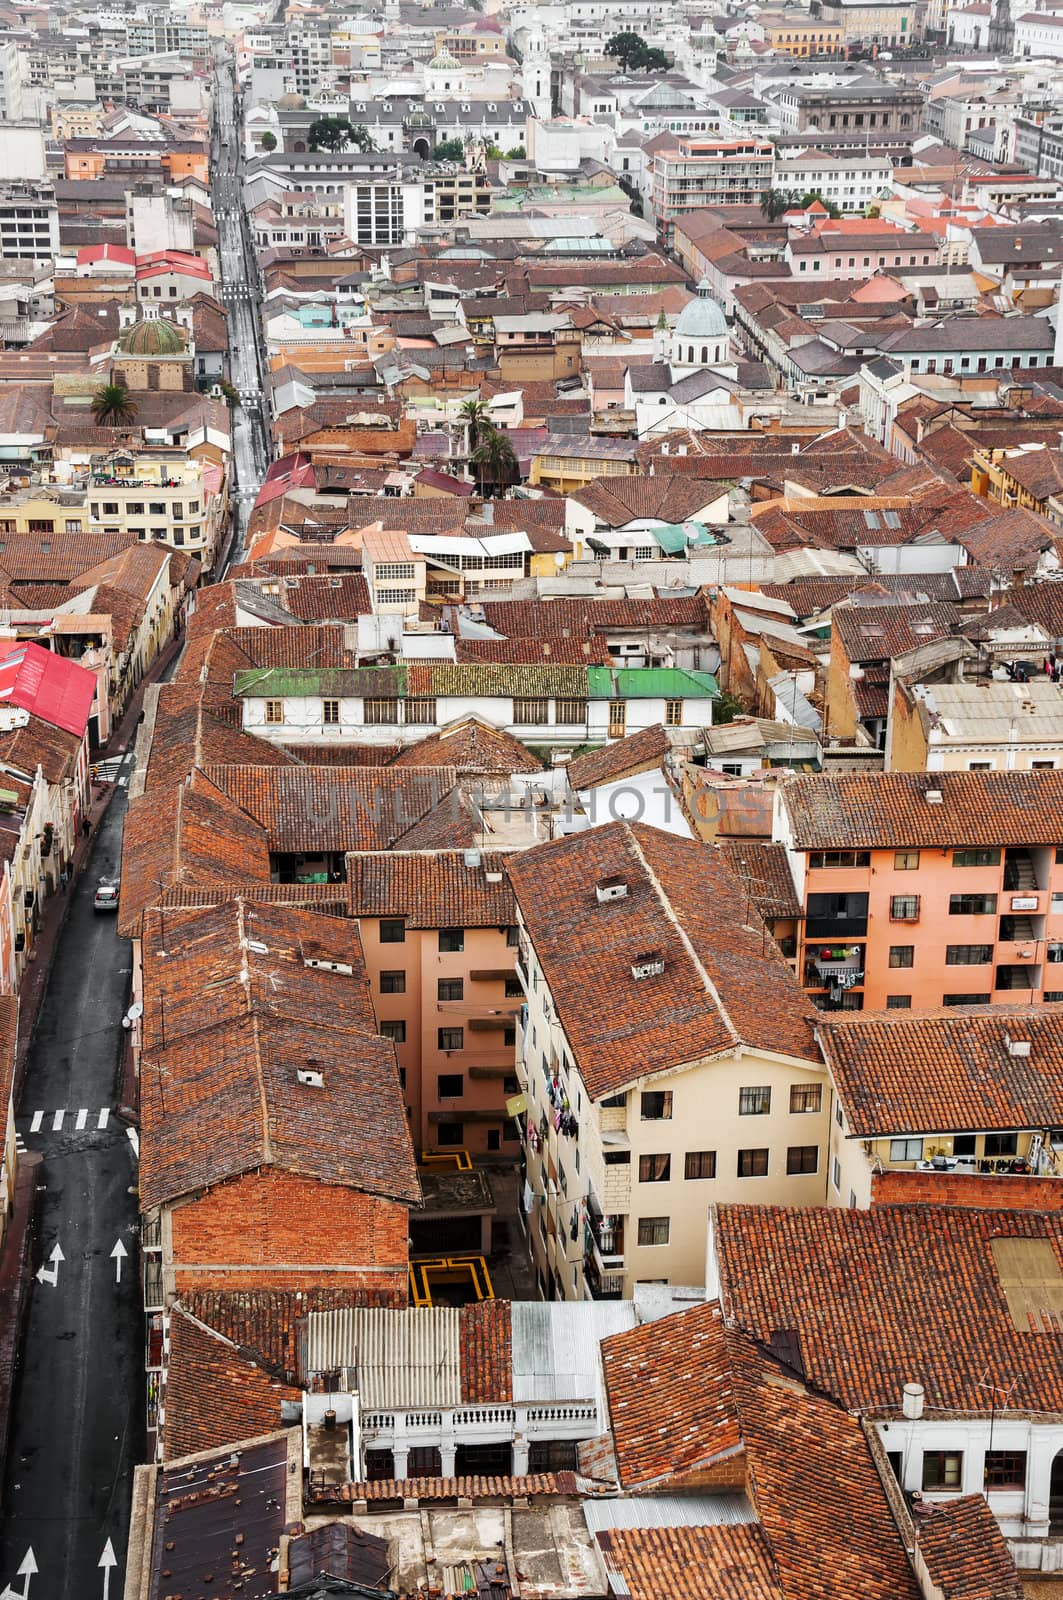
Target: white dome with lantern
(700, 337)
(444, 74)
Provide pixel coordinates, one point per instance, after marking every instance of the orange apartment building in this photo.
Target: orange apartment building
(439, 936)
(926, 889)
(137, 159)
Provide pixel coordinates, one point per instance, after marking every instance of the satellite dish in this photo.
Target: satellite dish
(135, 1011)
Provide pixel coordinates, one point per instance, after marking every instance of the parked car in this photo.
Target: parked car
(106, 896)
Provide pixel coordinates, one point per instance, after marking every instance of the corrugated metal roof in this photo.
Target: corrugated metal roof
(668, 1511)
(404, 1359)
(555, 1347)
(650, 683)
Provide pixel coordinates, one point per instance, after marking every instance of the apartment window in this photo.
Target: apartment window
(699, 1164)
(972, 905)
(450, 1038)
(420, 708)
(514, 989)
(617, 718)
(533, 713)
(451, 1085)
(806, 1097)
(902, 955)
(1001, 1144)
(1005, 1469)
(943, 1469)
(656, 1105)
(330, 712)
(836, 1174)
(571, 713)
(802, 1158)
(450, 989)
(906, 1149)
(839, 858)
(74, 526)
(451, 940)
(395, 1031)
(377, 712)
(752, 1163)
(968, 955)
(392, 930)
(976, 858)
(905, 860)
(653, 1230)
(964, 999)
(898, 1002)
(673, 713)
(393, 983)
(274, 711)
(754, 1102)
(655, 1169)
(451, 1134)
(904, 908)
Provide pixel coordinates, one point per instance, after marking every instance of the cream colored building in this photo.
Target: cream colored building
(986, 726)
(667, 1060)
(162, 496)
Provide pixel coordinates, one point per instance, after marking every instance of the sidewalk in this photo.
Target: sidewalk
(123, 735)
(16, 1265)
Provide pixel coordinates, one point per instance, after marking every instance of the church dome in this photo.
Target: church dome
(444, 62)
(702, 318)
(152, 336)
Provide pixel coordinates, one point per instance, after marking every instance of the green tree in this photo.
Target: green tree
(495, 462)
(269, 141)
(475, 415)
(113, 406)
(627, 48)
(493, 152)
(518, 153)
(654, 61)
(726, 708)
(812, 196)
(773, 202)
(232, 399)
(449, 150)
(361, 138)
(330, 133)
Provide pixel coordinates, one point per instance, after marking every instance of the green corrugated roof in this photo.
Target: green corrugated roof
(650, 683)
(675, 536)
(279, 683)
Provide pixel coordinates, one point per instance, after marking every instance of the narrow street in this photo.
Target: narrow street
(76, 1426)
(239, 292)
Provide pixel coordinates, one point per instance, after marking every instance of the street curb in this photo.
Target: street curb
(15, 1297)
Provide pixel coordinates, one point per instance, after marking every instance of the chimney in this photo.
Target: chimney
(614, 888)
(1017, 1047)
(912, 1401)
(309, 1077)
(933, 797)
(650, 964)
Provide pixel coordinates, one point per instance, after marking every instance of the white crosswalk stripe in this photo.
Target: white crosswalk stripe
(35, 1125)
(84, 1119)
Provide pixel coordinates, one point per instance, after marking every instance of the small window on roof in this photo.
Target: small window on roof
(871, 521)
(892, 519)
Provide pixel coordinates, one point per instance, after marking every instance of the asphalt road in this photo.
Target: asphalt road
(252, 450)
(77, 1420)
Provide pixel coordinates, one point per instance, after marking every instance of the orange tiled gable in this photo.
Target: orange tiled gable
(724, 982)
(682, 1418)
(486, 1353)
(964, 1551)
(947, 1070)
(914, 1296)
(620, 759)
(472, 746)
(215, 1393)
(430, 889)
(889, 810)
(329, 808)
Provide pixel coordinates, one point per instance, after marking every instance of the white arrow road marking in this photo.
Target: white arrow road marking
(118, 1255)
(108, 1561)
(26, 1570)
(35, 1125)
(48, 1275)
(134, 1139)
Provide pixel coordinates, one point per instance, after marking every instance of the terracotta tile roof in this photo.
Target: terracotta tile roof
(636, 753)
(1040, 602)
(470, 746)
(188, 734)
(328, 898)
(917, 1295)
(228, 1024)
(667, 1430)
(964, 1550)
(543, 619)
(485, 1352)
(483, 678)
(724, 1563)
(267, 1324)
(809, 596)
(889, 810)
(618, 501)
(33, 558)
(947, 1070)
(549, 1485)
(215, 1394)
(1012, 541)
(321, 599)
(585, 652)
(878, 633)
(765, 869)
(1039, 471)
(723, 984)
(350, 755)
(430, 889)
(315, 809)
(40, 744)
(187, 835)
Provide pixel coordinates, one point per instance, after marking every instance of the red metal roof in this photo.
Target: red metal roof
(48, 686)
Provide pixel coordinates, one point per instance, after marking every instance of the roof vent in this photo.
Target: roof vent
(310, 1078)
(257, 947)
(650, 964)
(493, 877)
(912, 1401)
(614, 888)
(472, 858)
(1017, 1047)
(934, 797)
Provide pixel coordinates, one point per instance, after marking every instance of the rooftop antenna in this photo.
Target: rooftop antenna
(995, 1390)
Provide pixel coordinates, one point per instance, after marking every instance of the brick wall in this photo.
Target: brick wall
(242, 1233)
(966, 1189)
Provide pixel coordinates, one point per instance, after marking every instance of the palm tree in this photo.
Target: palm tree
(773, 202)
(495, 461)
(474, 414)
(113, 406)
